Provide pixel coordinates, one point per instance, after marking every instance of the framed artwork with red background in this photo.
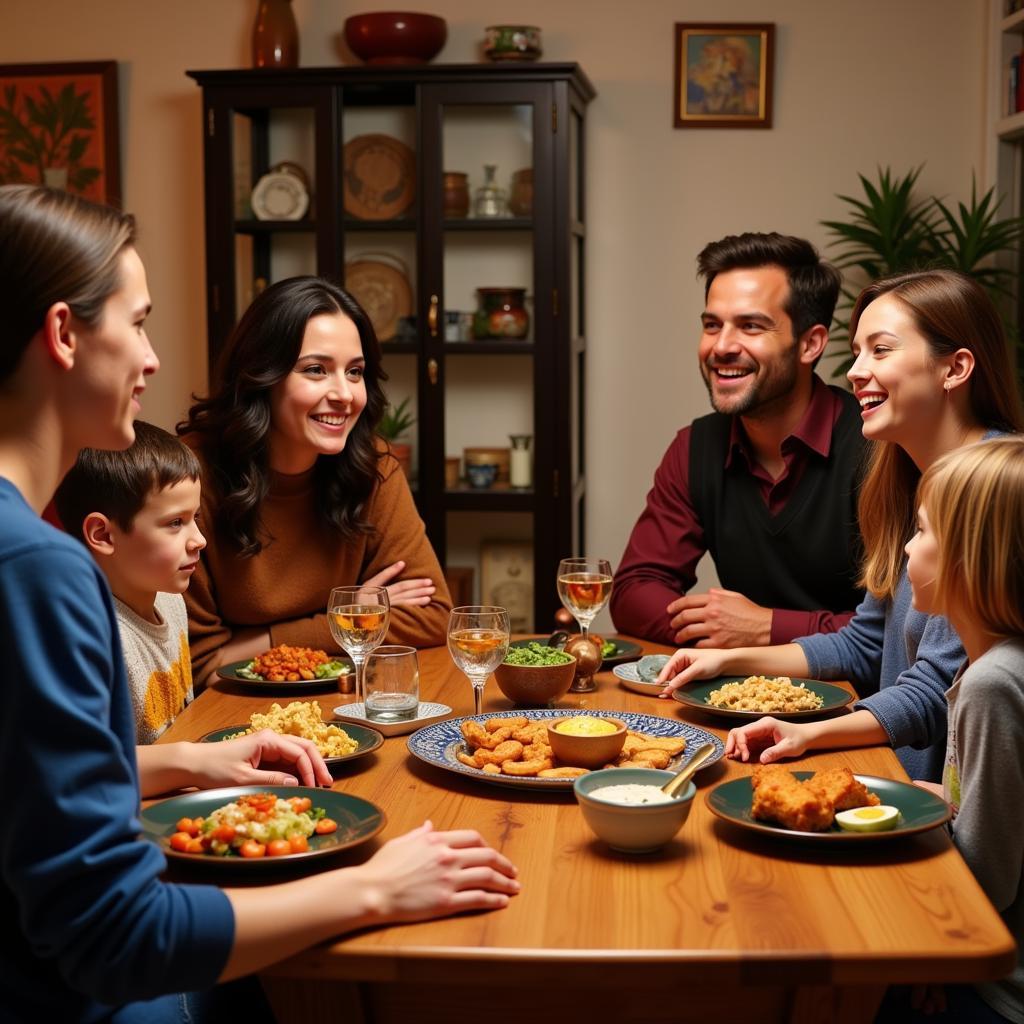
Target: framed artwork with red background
(58, 127)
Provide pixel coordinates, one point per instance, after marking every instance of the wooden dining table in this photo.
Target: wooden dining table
(720, 924)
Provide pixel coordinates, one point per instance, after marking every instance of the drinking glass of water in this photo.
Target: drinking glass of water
(392, 684)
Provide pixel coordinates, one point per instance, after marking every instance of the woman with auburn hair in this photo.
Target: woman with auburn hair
(966, 562)
(93, 931)
(932, 374)
(299, 493)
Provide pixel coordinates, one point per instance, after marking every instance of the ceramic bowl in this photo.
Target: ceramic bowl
(395, 37)
(535, 685)
(482, 475)
(587, 751)
(639, 828)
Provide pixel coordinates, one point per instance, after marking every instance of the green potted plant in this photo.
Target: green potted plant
(393, 425)
(891, 230)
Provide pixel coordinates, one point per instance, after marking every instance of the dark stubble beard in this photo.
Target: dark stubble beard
(775, 387)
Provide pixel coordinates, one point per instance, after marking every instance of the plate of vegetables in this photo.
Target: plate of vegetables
(288, 668)
(614, 649)
(248, 826)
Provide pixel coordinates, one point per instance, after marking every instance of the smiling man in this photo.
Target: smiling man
(767, 482)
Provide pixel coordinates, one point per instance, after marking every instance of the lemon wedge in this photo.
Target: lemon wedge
(868, 819)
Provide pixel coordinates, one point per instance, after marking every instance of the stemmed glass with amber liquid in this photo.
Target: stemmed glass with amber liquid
(584, 586)
(358, 618)
(478, 641)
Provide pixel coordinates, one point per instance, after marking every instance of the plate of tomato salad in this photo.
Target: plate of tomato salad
(194, 827)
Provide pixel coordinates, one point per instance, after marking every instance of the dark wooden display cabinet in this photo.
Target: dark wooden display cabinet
(465, 392)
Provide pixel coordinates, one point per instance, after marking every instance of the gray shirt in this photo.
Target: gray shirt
(984, 781)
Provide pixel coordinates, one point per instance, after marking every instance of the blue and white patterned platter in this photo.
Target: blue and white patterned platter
(438, 744)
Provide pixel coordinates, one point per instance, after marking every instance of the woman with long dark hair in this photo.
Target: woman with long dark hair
(299, 493)
(932, 373)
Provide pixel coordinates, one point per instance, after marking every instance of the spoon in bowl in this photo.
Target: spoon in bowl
(678, 782)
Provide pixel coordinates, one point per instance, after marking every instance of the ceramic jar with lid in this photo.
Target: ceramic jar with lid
(501, 313)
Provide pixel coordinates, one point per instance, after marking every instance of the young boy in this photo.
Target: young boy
(136, 510)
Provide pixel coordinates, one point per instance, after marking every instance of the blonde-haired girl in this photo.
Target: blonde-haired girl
(966, 562)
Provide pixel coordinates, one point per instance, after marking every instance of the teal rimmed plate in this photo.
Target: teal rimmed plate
(919, 810)
(695, 695)
(230, 674)
(367, 738)
(358, 821)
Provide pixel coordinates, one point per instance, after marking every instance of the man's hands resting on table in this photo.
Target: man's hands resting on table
(720, 618)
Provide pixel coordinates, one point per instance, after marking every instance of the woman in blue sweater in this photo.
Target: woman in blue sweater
(932, 373)
(93, 932)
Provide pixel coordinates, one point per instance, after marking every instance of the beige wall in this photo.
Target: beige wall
(858, 83)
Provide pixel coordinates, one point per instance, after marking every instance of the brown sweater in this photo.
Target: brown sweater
(285, 587)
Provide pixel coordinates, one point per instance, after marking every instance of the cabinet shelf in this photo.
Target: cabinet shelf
(490, 346)
(1012, 127)
(395, 224)
(251, 226)
(494, 499)
(488, 224)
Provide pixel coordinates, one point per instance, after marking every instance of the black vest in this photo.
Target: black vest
(806, 557)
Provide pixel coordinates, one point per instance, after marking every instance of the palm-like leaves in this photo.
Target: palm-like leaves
(891, 231)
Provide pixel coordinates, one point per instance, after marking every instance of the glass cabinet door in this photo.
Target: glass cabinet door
(487, 271)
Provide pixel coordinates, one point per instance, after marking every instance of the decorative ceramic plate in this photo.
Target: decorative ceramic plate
(383, 291)
(624, 649)
(280, 195)
(369, 739)
(919, 810)
(230, 673)
(438, 744)
(379, 177)
(629, 678)
(425, 712)
(358, 821)
(695, 695)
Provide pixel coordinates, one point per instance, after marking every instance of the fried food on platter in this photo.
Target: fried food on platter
(841, 789)
(519, 747)
(808, 806)
(780, 797)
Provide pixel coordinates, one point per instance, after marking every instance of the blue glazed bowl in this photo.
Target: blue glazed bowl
(482, 475)
(632, 828)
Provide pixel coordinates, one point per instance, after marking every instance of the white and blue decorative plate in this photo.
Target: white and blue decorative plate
(630, 680)
(438, 744)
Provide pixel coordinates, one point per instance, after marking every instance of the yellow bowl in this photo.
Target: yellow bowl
(586, 751)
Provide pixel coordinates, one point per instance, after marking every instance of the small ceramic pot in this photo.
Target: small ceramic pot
(456, 194)
(483, 475)
(512, 42)
(501, 313)
(520, 195)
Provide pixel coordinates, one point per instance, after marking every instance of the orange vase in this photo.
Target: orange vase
(275, 36)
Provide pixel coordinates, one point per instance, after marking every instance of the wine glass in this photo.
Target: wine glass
(478, 642)
(584, 586)
(358, 617)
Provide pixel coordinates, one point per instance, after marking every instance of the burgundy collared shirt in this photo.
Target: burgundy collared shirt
(660, 561)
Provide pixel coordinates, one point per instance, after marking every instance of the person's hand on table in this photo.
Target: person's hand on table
(688, 664)
(416, 592)
(263, 758)
(425, 874)
(720, 618)
(774, 740)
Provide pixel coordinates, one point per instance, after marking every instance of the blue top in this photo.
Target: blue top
(89, 921)
(901, 663)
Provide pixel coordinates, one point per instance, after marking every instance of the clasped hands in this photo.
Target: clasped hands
(720, 618)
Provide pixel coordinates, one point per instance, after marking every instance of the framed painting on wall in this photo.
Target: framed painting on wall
(723, 75)
(506, 580)
(58, 127)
